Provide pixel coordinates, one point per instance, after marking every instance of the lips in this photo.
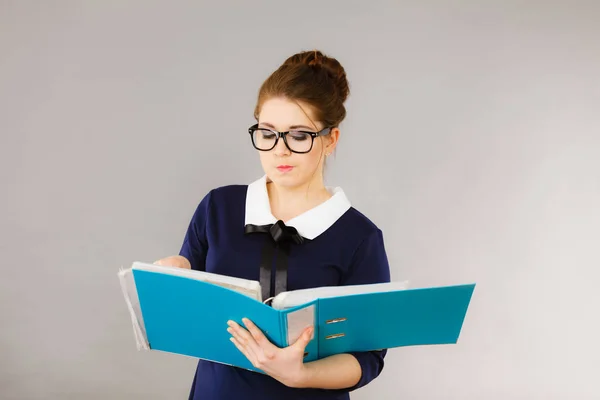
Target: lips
(284, 168)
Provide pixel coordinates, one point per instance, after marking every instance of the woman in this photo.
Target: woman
(299, 110)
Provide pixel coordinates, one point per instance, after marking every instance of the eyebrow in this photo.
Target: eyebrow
(292, 127)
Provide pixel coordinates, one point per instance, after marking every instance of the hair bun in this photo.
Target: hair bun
(317, 60)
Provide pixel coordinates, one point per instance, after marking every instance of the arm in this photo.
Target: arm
(369, 265)
(339, 371)
(286, 364)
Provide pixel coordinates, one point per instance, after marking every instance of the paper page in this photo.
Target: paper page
(247, 287)
(298, 321)
(298, 297)
(133, 305)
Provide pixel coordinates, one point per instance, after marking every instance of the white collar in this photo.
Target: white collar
(309, 224)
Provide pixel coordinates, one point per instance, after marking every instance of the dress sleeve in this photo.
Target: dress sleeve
(369, 265)
(195, 242)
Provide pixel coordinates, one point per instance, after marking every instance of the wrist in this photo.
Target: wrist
(303, 377)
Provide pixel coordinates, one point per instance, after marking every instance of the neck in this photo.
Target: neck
(289, 202)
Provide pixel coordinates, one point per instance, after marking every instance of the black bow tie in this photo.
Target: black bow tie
(282, 236)
(279, 231)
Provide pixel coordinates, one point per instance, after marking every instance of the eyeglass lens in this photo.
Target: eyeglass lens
(264, 139)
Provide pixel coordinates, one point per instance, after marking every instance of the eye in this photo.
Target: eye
(267, 135)
(298, 136)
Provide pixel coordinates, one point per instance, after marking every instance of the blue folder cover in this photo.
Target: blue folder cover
(189, 317)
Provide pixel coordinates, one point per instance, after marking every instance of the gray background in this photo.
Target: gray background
(472, 139)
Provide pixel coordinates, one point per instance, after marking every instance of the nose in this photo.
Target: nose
(281, 149)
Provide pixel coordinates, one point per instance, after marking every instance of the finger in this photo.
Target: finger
(304, 339)
(264, 349)
(309, 332)
(242, 334)
(246, 340)
(254, 331)
(259, 336)
(243, 339)
(259, 344)
(244, 350)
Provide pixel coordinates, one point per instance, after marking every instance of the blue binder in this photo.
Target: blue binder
(189, 317)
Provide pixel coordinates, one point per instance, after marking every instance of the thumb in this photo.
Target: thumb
(303, 340)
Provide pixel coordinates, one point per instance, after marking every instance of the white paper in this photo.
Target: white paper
(247, 287)
(133, 305)
(298, 297)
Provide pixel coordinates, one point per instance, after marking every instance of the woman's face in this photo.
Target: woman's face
(281, 165)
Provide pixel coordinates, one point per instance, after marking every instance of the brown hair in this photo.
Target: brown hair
(313, 78)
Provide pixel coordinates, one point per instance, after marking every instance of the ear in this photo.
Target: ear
(332, 140)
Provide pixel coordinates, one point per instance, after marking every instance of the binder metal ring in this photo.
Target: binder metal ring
(268, 300)
(335, 336)
(333, 321)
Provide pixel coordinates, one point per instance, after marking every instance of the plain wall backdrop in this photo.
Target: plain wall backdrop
(472, 140)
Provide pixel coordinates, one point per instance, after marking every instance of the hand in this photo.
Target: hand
(284, 364)
(174, 261)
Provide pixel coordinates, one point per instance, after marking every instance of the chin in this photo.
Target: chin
(285, 179)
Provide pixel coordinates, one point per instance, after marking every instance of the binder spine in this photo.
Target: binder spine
(312, 349)
(317, 331)
(294, 323)
(285, 333)
(283, 327)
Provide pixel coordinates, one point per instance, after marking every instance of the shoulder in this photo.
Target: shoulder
(222, 199)
(366, 255)
(223, 193)
(357, 235)
(357, 224)
(357, 217)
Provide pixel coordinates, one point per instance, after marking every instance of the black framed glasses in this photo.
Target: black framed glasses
(297, 141)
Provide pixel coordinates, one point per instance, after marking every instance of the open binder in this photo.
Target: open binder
(186, 312)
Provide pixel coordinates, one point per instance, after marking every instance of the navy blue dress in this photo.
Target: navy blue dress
(343, 248)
